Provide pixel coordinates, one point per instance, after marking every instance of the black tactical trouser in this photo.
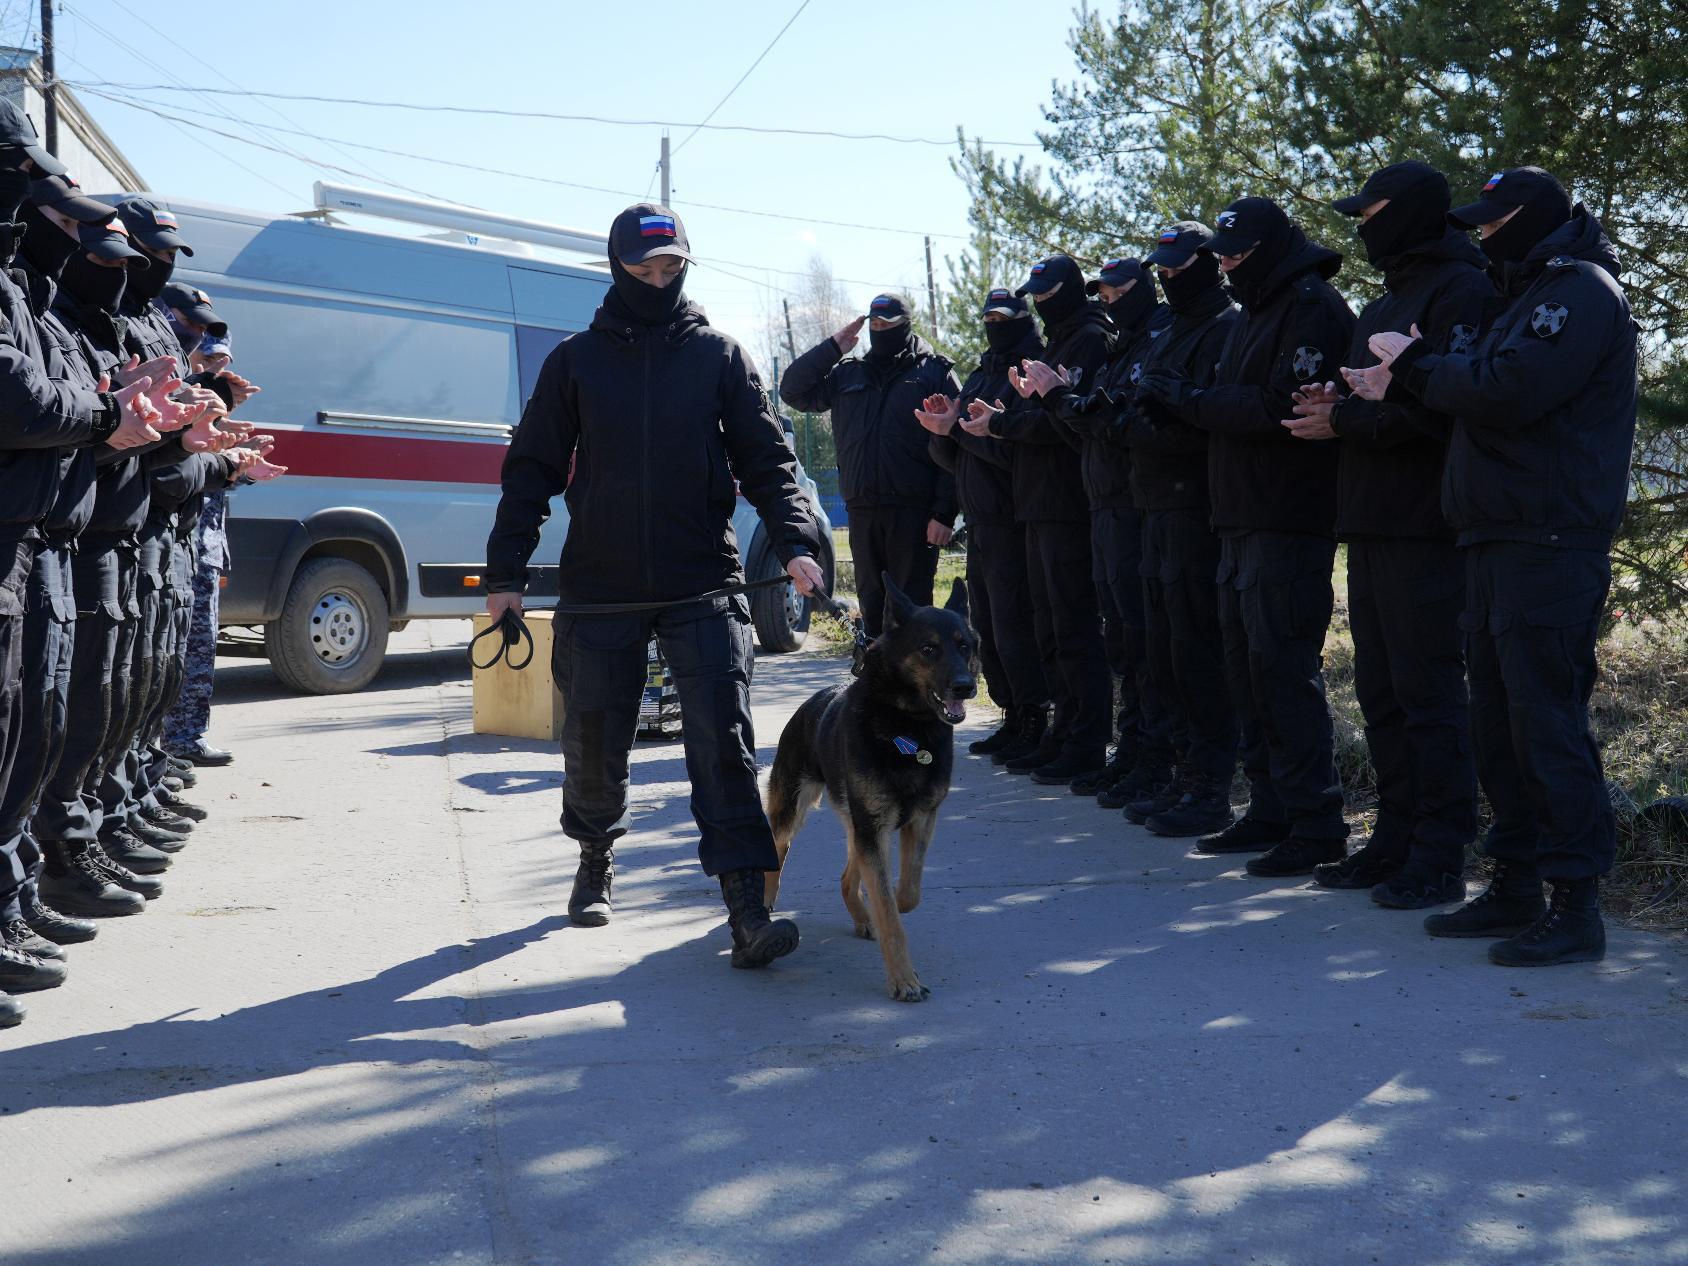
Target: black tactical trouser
(1532, 616)
(17, 558)
(49, 630)
(1068, 626)
(133, 690)
(1145, 721)
(999, 598)
(1185, 647)
(1404, 600)
(169, 671)
(600, 664)
(1274, 608)
(890, 539)
(69, 808)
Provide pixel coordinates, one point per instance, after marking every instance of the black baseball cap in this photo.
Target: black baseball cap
(1243, 225)
(194, 304)
(1505, 190)
(646, 231)
(887, 308)
(63, 194)
(1178, 243)
(153, 226)
(1391, 182)
(17, 132)
(1001, 300)
(109, 241)
(1116, 272)
(1047, 274)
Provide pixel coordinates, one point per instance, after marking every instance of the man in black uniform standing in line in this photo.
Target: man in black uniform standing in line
(656, 414)
(1406, 578)
(901, 503)
(1274, 509)
(998, 593)
(1058, 553)
(1536, 481)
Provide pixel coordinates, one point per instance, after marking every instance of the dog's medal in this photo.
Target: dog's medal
(908, 747)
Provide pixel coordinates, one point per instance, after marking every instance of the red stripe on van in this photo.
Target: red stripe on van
(388, 457)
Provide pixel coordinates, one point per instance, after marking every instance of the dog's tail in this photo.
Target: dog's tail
(795, 783)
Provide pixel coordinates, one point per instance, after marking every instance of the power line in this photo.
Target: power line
(753, 65)
(945, 143)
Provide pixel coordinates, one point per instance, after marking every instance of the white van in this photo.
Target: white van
(393, 370)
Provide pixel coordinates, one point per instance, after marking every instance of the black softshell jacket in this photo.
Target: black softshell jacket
(1544, 402)
(1168, 455)
(882, 450)
(1389, 467)
(983, 466)
(1048, 475)
(1260, 477)
(1083, 413)
(657, 422)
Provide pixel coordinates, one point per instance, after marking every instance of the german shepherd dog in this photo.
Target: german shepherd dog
(882, 748)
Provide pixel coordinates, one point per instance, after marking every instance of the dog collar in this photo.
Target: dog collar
(908, 747)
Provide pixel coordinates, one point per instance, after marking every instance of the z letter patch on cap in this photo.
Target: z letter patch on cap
(1307, 361)
(1549, 318)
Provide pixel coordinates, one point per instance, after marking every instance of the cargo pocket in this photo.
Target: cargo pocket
(1568, 612)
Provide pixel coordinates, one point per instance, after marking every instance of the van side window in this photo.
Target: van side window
(533, 345)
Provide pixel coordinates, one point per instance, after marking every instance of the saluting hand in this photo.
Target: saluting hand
(849, 335)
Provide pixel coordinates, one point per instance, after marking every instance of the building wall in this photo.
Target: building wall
(98, 165)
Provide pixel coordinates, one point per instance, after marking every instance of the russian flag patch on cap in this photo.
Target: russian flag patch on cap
(164, 219)
(999, 294)
(656, 226)
(882, 301)
(1168, 236)
(1493, 181)
(1037, 270)
(1113, 265)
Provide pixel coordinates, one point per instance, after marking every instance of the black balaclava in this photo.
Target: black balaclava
(92, 284)
(1200, 276)
(1005, 336)
(45, 245)
(14, 182)
(1549, 207)
(890, 343)
(1277, 236)
(645, 303)
(1413, 217)
(1132, 308)
(1068, 296)
(149, 283)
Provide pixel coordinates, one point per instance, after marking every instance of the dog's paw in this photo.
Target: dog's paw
(865, 931)
(910, 990)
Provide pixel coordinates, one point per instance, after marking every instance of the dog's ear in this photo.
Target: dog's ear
(898, 607)
(958, 598)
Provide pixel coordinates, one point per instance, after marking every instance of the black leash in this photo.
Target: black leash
(512, 630)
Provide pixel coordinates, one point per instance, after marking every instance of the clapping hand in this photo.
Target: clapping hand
(977, 423)
(938, 413)
(1313, 405)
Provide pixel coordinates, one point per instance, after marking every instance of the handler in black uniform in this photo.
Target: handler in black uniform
(998, 592)
(1537, 476)
(1274, 509)
(657, 413)
(901, 503)
(1406, 578)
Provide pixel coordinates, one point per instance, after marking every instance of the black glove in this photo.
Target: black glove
(1168, 389)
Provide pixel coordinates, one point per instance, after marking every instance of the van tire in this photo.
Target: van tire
(332, 634)
(780, 614)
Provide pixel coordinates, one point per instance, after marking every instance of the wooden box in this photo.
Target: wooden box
(524, 704)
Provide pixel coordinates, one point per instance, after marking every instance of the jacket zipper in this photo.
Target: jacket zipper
(645, 468)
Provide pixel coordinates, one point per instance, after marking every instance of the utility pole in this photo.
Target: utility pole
(50, 92)
(790, 343)
(931, 288)
(662, 162)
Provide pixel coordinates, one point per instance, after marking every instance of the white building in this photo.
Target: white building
(98, 165)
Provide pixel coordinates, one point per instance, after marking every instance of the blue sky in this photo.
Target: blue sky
(917, 68)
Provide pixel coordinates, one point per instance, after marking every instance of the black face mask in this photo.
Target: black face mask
(1133, 307)
(1069, 295)
(92, 284)
(147, 284)
(1248, 279)
(1005, 336)
(1199, 276)
(1515, 239)
(14, 183)
(46, 246)
(645, 303)
(1411, 219)
(890, 343)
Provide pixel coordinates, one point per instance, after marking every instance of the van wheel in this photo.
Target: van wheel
(332, 634)
(780, 613)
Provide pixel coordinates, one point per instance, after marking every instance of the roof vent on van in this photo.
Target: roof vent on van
(469, 221)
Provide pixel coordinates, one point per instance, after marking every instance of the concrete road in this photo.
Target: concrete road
(358, 1030)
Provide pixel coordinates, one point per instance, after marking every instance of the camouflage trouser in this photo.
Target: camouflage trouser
(188, 719)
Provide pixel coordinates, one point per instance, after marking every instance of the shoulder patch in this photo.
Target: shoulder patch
(1562, 261)
(1306, 362)
(1460, 338)
(1549, 318)
(1136, 372)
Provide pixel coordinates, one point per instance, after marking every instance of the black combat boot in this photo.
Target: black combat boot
(22, 972)
(1570, 931)
(757, 939)
(1118, 766)
(11, 1011)
(169, 820)
(128, 850)
(1149, 773)
(1511, 903)
(1297, 855)
(50, 925)
(176, 804)
(1245, 835)
(157, 836)
(1046, 752)
(1004, 735)
(148, 886)
(1068, 766)
(1366, 867)
(589, 903)
(1033, 722)
(1155, 800)
(1413, 889)
(20, 936)
(1203, 807)
(76, 883)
